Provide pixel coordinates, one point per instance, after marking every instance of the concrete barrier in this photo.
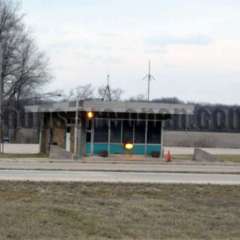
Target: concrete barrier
(57, 152)
(201, 155)
(21, 148)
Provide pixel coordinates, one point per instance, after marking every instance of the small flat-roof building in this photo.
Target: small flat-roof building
(94, 127)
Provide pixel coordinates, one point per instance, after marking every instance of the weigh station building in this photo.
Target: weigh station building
(104, 128)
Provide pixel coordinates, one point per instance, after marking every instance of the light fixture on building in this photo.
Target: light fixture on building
(128, 146)
(90, 115)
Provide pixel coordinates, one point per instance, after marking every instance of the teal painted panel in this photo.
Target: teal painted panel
(100, 147)
(139, 149)
(88, 148)
(119, 149)
(116, 148)
(153, 148)
(97, 148)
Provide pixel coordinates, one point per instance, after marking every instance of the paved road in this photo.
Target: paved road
(157, 167)
(116, 177)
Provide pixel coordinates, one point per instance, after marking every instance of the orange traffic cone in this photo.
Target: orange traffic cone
(168, 157)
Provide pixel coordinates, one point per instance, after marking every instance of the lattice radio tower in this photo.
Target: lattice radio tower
(107, 96)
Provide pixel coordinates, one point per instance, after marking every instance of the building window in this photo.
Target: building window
(154, 132)
(128, 131)
(101, 131)
(140, 127)
(116, 135)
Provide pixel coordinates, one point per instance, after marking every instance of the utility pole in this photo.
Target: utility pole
(76, 132)
(149, 77)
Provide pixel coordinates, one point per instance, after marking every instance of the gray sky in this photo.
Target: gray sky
(194, 45)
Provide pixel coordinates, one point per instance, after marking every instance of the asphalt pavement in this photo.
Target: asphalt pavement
(141, 167)
(118, 177)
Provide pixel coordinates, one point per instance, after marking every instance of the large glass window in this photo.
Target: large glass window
(140, 127)
(116, 126)
(154, 132)
(128, 131)
(101, 131)
(89, 131)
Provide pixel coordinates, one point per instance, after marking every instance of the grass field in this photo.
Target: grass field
(229, 158)
(103, 211)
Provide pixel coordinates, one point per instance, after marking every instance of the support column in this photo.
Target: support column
(92, 137)
(82, 137)
(76, 132)
(134, 131)
(121, 131)
(42, 135)
(162, 143)
(109, 136)
(146, 136)
(81, 144)
(79, 153)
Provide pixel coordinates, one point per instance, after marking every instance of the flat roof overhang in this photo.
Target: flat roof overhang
(114, 107)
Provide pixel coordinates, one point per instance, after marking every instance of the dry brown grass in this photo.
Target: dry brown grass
(229, 158)
(49, 211)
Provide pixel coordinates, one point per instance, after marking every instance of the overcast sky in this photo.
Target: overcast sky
(194, 45)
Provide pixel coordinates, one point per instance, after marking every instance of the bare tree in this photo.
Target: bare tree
(115, 94)
(82, 92)
(24, 67)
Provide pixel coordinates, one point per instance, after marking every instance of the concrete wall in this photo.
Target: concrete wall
(21, 148)
(201, 139)
(57, 152)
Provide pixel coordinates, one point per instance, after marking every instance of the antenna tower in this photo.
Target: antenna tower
(107, 92)
(149, 77)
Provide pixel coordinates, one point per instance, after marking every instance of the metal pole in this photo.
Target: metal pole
(134, 132)
(146, 135)
(80, 145)
(162, 145)
(109, 137)
(41, 133)
(92, 136)
(76, 132)
(121, 131)
(149, 80)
